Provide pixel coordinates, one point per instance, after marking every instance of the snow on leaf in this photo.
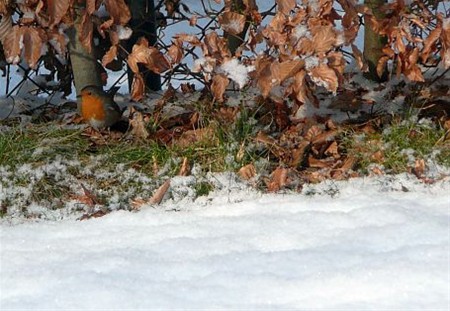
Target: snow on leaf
(236, 71)
(324, 76)
(232, 22)
(124, 33)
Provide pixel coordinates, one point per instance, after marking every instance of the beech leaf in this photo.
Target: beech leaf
(232, 22)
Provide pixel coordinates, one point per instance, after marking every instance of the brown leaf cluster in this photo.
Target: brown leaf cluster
(307, 152)
(416, 36)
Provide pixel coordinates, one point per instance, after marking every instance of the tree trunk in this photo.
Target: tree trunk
(143, 23)
(374, 43)
(84, 64)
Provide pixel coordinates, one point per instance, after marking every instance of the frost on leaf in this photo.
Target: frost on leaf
(232, 22)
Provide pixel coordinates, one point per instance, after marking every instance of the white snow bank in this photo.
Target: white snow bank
(373, 244)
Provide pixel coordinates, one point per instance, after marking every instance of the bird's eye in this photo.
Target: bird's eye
(89, 93)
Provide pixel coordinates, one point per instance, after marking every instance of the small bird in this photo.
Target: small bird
(98, 108)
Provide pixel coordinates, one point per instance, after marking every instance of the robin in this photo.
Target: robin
(98, 108)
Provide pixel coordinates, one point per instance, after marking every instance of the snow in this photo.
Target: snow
(379, 243)
(236, 71)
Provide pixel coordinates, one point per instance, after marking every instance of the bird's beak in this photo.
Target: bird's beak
(78, 96)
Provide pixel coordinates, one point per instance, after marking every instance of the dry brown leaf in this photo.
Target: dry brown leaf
(324, 38)
(278, 180)
(349, 163)
(324, 137)
(285, 70)
(32, 46)
(419, 168)
(56, 9)
(109, 56)
(382, 65)
(118, 10)
(332, 150)
(218, 86)
(312, 133)
(247, 172)
(175, 53)
(138, 124)
(286, 6)
(160, 192)
(86, 30)
(320, 163)
(11, 45)
(429, 45)
(137, 87)
(193, 20)
(232, 22)
(190, 137)
(378, 156)
(298, 154)
(91, 6)
(136, 204)
(151, 57)
(325, 76)
(89, 198)
(185, 169)
(5, 27)
(445, 41)
(362, 65)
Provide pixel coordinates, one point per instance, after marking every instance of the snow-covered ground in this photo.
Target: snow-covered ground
(366, 244)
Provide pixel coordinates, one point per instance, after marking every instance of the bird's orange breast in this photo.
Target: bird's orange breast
(92, 107)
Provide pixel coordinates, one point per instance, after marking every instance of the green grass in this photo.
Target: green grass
(391, 147)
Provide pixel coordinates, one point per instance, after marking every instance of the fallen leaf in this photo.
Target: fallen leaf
(159, 193)
(278, 180)
(185, 169)
(247, 172)
(138, 124)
